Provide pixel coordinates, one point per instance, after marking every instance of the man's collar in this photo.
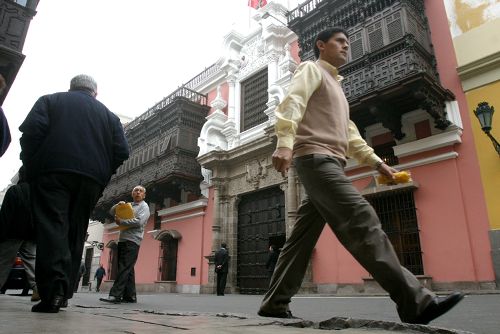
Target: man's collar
(81, 90)
(331, 69)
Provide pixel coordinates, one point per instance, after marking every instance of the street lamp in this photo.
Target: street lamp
(485, 115)
(98, 245)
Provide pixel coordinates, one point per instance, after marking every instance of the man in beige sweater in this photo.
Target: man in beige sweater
(313, 128)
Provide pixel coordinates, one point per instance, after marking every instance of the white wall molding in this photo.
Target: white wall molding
(198, 204)
(193, 215)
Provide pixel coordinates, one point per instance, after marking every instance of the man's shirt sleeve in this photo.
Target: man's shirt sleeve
(34, 129)
(306, 80)
(359, 149)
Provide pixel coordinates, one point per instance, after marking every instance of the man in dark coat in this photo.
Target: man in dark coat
(221, 268)
(99, 275)
(71, 144)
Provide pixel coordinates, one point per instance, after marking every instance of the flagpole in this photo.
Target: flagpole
(249, 14)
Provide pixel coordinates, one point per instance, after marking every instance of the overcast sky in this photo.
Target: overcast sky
(138, 52)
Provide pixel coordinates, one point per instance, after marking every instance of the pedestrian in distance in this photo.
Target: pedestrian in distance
(129, 241)
(272, 259)
(71, 144)
(17, 235)
(81, 271)
(99, 275)
(26, 249)
(221, 268)
(314, 129)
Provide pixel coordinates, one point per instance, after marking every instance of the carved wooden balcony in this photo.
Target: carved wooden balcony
(15, 17)
(163, 148)
(392, 67)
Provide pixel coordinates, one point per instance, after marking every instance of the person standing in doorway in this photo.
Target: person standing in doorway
(99, 275)
(314, 128)
(221, 268)
(81, 272)
(71, 144)
(129, 241)
(272, 258)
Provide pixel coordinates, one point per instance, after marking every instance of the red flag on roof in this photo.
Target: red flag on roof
(257, 3)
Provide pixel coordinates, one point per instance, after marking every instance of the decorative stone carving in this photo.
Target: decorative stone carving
(211, 135)
(253, 52)
(255, 172)
(287, 65)
(218, 103)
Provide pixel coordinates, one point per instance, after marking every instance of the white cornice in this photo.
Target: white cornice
(480, 72)
(444, 139)
(185, 217)
(411, 164)
(201, 203)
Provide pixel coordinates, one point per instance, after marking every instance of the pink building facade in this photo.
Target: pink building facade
(438, 223)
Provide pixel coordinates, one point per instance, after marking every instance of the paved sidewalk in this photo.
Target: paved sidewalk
(16, 318)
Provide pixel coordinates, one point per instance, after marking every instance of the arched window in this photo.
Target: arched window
(168, 254)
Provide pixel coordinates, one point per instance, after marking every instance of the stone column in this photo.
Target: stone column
(272, 67)
(216, 233)
(231, 126)
(231, 233)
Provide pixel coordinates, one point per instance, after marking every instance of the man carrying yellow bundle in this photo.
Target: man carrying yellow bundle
(130, 238)
(313, 128)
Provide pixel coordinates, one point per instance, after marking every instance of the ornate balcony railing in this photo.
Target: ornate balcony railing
(347, 13)
(180, 92)
(203, 76)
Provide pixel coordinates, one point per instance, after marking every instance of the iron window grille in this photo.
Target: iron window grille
(253, 100)
(398, 216)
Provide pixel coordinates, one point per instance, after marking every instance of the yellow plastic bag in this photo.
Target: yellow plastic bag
(399, 177)
(124, 211)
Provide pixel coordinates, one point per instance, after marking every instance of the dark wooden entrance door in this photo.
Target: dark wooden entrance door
(89, 254)
(261, 222)
(169, 258)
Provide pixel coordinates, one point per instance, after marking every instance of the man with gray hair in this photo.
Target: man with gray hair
(71, 144)
(84, 82)
(129, 242)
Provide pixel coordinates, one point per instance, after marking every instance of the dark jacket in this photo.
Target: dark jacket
(4, 134)
(100, 273)
(15, 215)
(72, 132)
(222, 258)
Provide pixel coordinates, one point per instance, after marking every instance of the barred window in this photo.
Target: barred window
(253, 100)
(398, 216)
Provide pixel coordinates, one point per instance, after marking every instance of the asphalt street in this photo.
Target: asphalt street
(479, 314)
